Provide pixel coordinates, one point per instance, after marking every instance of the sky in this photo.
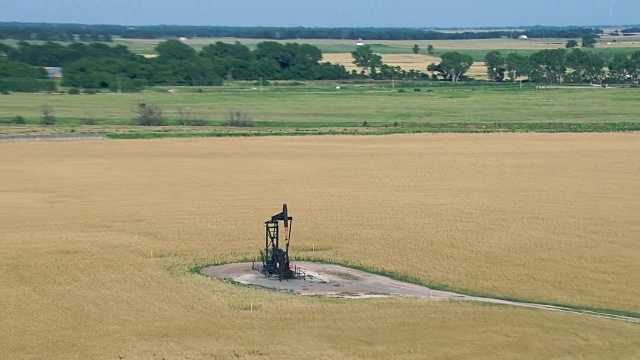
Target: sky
(326, 13)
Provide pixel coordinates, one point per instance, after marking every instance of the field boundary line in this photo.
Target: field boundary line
(52, 137)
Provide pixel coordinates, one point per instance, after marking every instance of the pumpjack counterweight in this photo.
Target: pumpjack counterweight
(275, 260)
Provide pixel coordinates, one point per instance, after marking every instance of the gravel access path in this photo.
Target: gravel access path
(339, 281)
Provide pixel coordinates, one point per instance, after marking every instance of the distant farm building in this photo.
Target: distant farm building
(523, 37)
(54, 72)
(358, 42)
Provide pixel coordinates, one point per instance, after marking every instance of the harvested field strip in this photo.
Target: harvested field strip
(422, 128)
(407, 62)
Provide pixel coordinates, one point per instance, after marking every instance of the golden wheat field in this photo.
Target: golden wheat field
(97, 239)
(405, 61)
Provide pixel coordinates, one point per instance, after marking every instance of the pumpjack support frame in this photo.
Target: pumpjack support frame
(275, 260)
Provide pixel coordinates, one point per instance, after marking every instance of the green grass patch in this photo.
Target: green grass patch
(353, 103)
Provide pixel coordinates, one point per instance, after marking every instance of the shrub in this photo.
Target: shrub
(188, 117)
(74, 91)
(6, 92)
(47, 115)
(149, 115)
(239, 118)
(90, 92)
(402, 90)
(365, 123)
(19, 120)
(417, 90)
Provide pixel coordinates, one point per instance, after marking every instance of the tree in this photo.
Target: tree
(416, 48)
(619, 68)
(430, 49)
(5, 49)
(586, 67)
(548, 65)
(14, 69)
(271, 50)
(452, 66)
(200, 73)
(225, 50)
(365, 58)
(47, 115)
(623, 69)
(495, 63)
(175, 50)
(517, 65)
(571, 44)
(635, 67)
(304, 53)
(389, 72)
(289, 61)
(589, 40)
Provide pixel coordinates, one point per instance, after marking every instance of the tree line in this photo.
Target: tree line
(56, 32)
(564, 66)
(100, 66)
(81, 32)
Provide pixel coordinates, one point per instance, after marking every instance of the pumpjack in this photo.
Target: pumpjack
(275, 260)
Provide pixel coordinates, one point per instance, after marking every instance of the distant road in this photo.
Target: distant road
(51, 137)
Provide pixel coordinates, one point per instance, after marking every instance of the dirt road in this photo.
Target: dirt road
(338, 281)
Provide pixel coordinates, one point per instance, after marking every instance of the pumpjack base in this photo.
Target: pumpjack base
(271, 271)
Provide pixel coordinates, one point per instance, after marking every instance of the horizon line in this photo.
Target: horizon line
(505, 27)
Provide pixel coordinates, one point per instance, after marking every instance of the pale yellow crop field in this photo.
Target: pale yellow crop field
(543, 217)
(405, 61)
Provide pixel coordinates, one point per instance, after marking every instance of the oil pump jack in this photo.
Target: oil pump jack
(275, 260)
